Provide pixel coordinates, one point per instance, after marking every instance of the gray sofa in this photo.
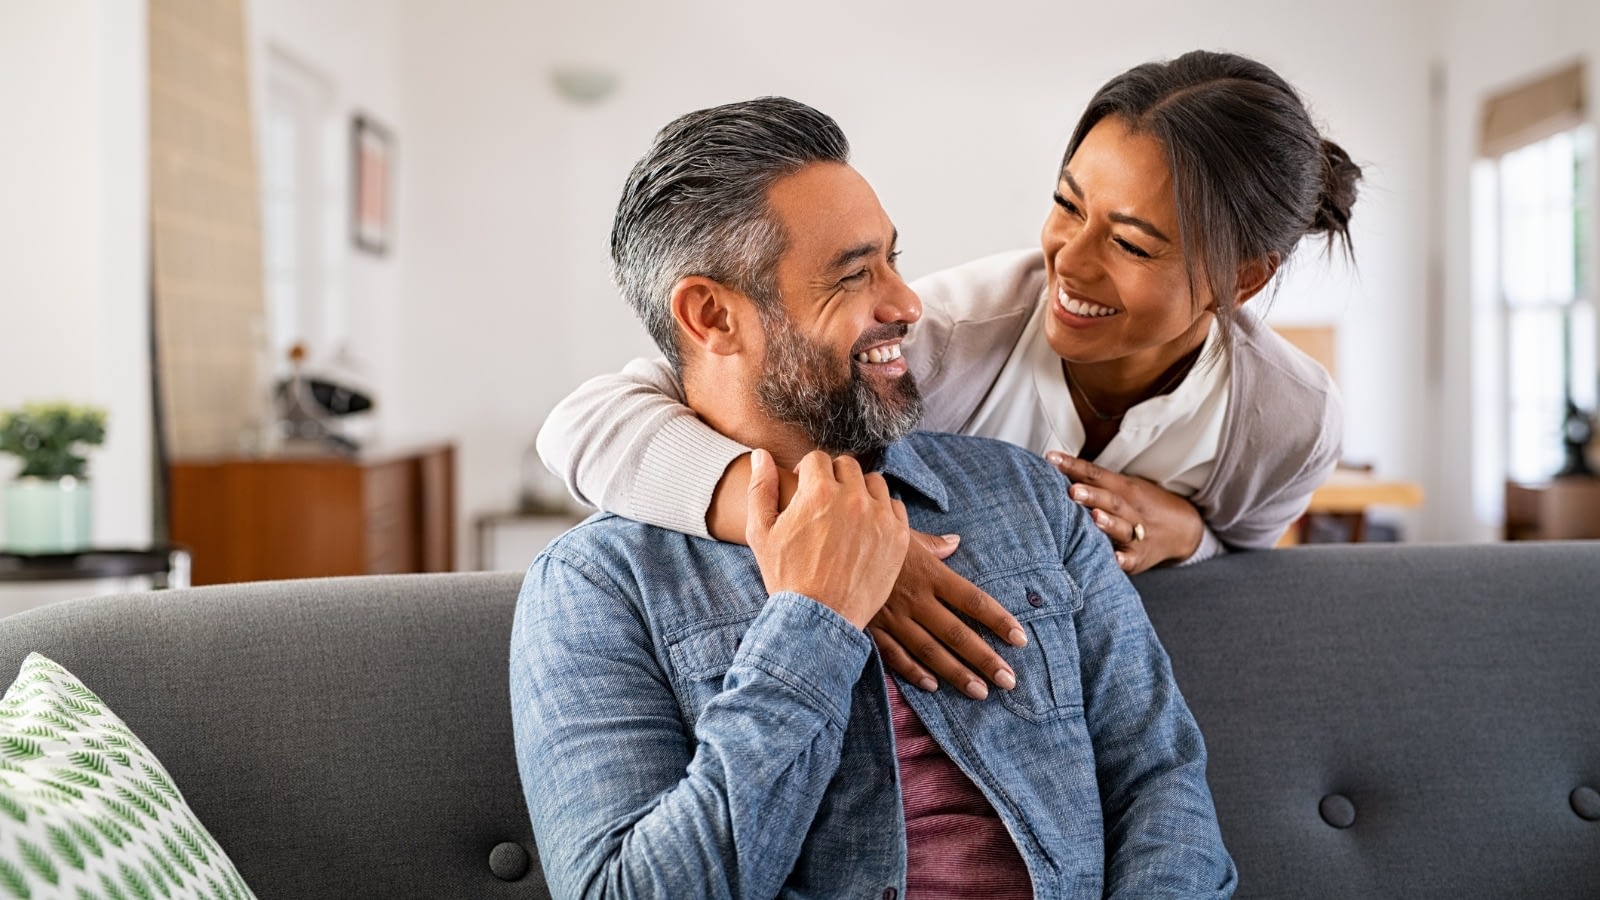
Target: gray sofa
(1384, 721)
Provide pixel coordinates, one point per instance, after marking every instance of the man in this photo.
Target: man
(697, 719)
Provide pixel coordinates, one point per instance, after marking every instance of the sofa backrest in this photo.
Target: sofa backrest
(340, 738)
(1383, 721)
(1397, 721)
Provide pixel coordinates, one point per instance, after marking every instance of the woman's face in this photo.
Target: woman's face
(1119, 285)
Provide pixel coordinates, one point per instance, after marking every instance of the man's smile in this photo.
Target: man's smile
(882, 353)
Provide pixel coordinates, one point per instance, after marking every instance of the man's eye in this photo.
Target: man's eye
(855, 277)
(894, 259)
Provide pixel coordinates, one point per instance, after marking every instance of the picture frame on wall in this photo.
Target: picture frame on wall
(371, 185)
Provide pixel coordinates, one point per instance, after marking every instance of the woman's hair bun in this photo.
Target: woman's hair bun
(1339, 178)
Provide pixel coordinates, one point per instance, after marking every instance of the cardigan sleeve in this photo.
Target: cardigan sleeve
(625, 442)
(1285, 438)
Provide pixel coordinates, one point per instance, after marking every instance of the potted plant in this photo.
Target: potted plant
(48, 503)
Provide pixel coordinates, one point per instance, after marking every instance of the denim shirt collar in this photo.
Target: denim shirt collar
(900, 462)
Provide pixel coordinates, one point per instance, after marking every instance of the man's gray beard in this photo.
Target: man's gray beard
(847, 417)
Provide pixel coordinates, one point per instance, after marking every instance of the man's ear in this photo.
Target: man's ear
(1253, 276)
(712, 316)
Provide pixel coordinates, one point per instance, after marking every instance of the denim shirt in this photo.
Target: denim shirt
(680, 733)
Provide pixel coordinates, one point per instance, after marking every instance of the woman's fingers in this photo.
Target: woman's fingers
(916, 641)
(1081, 471)
(1122, 532)
(928, 635)
(898, 660)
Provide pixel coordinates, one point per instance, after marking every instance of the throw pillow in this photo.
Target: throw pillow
(86, 810)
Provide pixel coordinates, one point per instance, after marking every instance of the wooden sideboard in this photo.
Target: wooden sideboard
(1557, 510)
(262, 518)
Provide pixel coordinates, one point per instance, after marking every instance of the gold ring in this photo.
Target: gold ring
(1138, 532)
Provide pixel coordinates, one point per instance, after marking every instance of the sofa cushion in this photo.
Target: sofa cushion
(86, 809)
(344, 739)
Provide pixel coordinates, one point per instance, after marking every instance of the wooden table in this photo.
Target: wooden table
(1347, 495)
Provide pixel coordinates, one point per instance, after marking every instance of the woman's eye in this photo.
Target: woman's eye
(1132, 249)
(1067, 205)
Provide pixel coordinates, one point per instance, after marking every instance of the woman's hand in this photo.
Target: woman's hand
(917, 621)
(1147, 525)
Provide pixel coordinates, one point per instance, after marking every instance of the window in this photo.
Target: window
(298, 130)
(1546, 289)
(1534, 252)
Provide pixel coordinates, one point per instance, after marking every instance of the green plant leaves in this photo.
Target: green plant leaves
(46, 436)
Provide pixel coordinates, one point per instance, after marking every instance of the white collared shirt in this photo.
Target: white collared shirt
(1171, 439)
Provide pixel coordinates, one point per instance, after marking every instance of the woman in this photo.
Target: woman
(1122, 352)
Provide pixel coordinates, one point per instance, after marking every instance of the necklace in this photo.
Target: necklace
(1072, 384)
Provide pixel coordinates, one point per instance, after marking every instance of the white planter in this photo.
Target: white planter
(45, 515)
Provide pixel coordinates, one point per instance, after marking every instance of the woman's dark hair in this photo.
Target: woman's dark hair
(1251, 173)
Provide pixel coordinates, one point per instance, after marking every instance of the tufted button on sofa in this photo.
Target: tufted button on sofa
(1383, 720)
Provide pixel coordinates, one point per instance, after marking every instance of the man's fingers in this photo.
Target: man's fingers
(815, 465)
(846, 470)
(878, 487)
(762, 509)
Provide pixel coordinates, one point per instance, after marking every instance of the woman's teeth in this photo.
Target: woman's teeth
(879, 354)
(1082, 307)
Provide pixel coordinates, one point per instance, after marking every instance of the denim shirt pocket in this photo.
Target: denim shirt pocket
(700, 658)
(1044, 601)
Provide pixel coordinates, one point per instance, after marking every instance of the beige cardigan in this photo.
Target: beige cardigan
(626, 443)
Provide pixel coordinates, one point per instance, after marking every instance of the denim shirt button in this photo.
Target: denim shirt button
(1034, 600)
(890, 893)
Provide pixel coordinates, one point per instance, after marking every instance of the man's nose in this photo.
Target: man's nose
(899, 302)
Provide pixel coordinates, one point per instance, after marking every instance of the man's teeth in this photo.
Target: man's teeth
(1082, 307)
(879, 354)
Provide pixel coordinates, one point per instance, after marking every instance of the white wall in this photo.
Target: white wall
(496, 301)
(73, 282)
(958, 116)
(352, 46)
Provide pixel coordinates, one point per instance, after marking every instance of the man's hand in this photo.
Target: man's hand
(1147, 525)
(917, 622)
(841, 540)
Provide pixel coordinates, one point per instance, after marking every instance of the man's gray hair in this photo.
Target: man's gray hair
(696, 204)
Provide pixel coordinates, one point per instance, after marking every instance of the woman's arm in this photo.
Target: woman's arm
(1284, 440)
(627, 444)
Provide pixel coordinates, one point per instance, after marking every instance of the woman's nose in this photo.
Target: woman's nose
(1075, 255)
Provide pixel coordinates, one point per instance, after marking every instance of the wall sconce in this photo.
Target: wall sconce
(585, 85)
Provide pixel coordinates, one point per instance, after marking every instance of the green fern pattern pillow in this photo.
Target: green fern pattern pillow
(87, 811)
